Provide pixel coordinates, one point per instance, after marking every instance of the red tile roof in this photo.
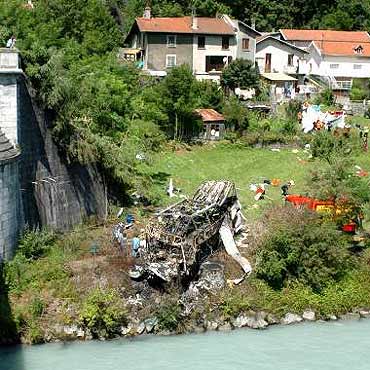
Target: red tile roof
(325, 35)
(340, 43)
(343, 48)
(210, 26)
(210, 115)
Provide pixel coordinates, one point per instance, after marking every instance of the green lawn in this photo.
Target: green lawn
(241, 165)
(244, 166)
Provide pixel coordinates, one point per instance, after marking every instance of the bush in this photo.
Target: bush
(36, 243)
(299, 246)
(169, 316)
(233, 303)
(326, 97)
(103, 313)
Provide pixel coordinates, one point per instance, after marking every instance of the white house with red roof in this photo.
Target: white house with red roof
(338, 56)
(205, 44)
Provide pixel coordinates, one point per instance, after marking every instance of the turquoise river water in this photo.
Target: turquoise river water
(318, 346)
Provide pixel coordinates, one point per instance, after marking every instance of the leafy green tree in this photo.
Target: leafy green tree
(179, 99)
(240, 73)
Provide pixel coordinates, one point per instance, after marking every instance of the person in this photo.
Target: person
(135, 246)
(11, 42)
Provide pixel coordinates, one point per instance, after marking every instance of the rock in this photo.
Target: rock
(126, 330)
(211, 325)
(272, 319)
(88, 335)
(150, 324)
(240, 321)
(350, 316)
(140, 328)
(80, 333)
(225, 327)
(70, 329)
(333, 318)
(291, 318)
(364, 314)
(199, 329)
(309, 315)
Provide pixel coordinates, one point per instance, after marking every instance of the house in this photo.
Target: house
(279, 56)
(336, 57)
(205, 44)
(213, 124)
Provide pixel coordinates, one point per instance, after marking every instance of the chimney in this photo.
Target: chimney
(253, 23)
(194, 20)
(147, 12)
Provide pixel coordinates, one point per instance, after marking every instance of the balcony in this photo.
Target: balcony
(290, 70)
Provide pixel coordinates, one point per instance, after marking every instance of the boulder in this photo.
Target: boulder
(272, 319)
(333, 318)
(225, 327)
(350, 316)
(150, 324)
(364, 314)
(70, 330)
(291, 318)
(211, 325)
(253, 321)
(80, 333)
(309, 315)
(140, 328)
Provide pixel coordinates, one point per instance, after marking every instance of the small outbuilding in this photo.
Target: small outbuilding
(213, 124)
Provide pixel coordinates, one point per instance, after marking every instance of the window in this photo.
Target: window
(201, 42)
(357, 66)
(290, 60)
(245, 44)
(225, 42)
(334, 66)
(170, 61)
(171, 41)
(358, 49)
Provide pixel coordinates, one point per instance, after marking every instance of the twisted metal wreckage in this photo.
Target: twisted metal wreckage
(180, 237)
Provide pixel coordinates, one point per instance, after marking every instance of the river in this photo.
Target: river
(318, 346)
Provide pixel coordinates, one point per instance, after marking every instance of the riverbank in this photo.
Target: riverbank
(296, 347)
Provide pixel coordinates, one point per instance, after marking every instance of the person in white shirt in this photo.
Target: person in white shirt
(11, 42)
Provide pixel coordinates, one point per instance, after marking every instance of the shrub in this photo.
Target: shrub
(169, 316)
(36, 243)
(326, 97)
(292, 109)
(103, 313)
(233, 303)
(299, 246)
(36, 307)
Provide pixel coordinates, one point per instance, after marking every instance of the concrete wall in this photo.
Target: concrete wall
(54, 193)
(10, 208)
(9, 106)
(40, 188)
(245, 54)
(279, 56)
(157, 49)
(213, 48)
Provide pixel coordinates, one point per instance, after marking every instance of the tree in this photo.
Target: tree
(240, 73)
(179, 100)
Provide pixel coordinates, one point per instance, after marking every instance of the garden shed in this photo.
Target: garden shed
(213, 124)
